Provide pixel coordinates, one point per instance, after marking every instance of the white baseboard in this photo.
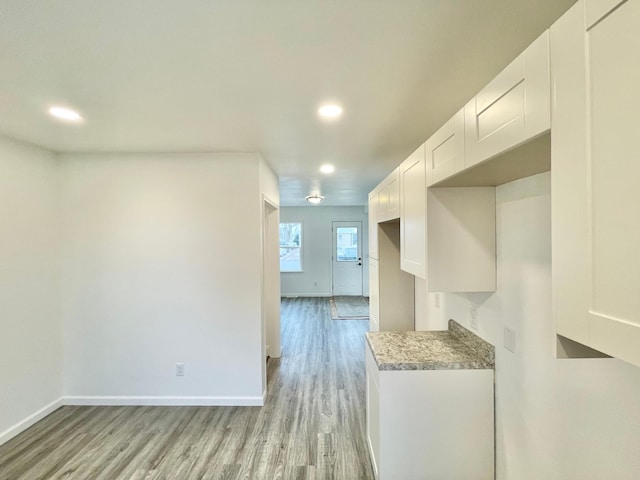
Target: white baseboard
(159, 401)
(8, 434)
(21, 426)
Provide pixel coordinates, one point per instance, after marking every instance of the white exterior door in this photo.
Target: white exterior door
(347, 258)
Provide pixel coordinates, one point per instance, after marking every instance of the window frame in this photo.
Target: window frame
(300, 248)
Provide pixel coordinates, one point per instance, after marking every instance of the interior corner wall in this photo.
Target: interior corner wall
(269, 186)
(162, 265)
(557, 419)
(315, 280)
(31, 333)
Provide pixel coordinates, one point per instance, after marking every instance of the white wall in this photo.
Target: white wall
(270, 213)
(317, 247)
(30, 327)
(556, 419)
(162, 264)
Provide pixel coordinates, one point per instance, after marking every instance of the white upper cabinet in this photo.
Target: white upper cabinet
(513, 108)
(389, 198)
(413, 214)
(595, 144)
(597, 9)
(445, 150)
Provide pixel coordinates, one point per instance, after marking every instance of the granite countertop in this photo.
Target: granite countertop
(453, 349)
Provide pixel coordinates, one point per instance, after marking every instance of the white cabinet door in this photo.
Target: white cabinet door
(373, 410)
(445, 150)
(597, 9)
(389, 198)
(373, 224)
(513, 108)
(413, 214)
(415, 428)
(613, 103)
(595, 174)
(569, 242)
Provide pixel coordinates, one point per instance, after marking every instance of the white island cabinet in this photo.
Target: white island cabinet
(430, 406)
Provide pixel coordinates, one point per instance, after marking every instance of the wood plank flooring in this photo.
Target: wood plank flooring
(312, 427)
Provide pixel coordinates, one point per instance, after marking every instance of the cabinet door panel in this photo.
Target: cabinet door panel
(569, 216)
(614, 76)
(393, 206)
(373, 410)
(506, 109)
(597, 9)
(412, 214)
(445, 150)
(389, 198)
(513, 108)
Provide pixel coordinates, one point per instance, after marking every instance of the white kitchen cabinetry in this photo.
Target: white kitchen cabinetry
(373, 224)
(413, 211)
(595, 194)
(445, 150)
(389, 198)
(430, 424)
(513, 108)
(391, 290)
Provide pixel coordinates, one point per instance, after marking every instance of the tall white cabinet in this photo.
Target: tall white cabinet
(595, 193)
(391, 289)
(413, 214)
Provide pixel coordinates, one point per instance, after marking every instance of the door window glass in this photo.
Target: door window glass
(347, 244)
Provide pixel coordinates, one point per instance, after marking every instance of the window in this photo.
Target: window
(291, 247)
(347, 244)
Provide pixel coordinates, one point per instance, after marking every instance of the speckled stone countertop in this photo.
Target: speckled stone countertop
(453, 349)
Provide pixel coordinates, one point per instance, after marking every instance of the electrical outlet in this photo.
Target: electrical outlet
(315, 284)
(474, 318)
(510, 340)
(437, 299)
(179, 369)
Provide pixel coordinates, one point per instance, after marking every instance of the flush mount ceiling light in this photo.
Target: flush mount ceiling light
(327, 168)
(330, 111)
(65, 114)
(314, 199)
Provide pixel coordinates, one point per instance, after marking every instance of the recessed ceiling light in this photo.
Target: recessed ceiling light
(327, 168)
(314, 199)
(330, 111)
(65, 114)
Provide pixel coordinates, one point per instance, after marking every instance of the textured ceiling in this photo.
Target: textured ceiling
(248, 76)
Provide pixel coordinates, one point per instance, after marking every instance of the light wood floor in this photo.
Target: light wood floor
(312, 427)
